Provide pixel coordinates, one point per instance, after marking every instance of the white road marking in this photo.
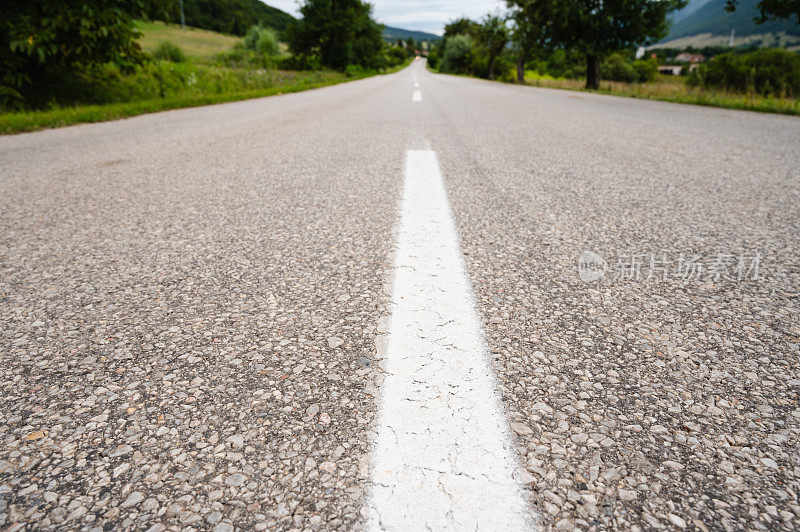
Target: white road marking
(417, 96)
(442, 457)
(416, 84)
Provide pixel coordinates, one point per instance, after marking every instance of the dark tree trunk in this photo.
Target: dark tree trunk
(491, 66)
(592, 72)
(521, 69)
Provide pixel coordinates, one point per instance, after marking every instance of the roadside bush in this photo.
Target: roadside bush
(505, 69)
(262, 40)
(241, 57)
(770, 72)
(479, 63)
(433, 58)
(168, 51)
(617, 68)
(251, 37)
(457, 57)
(355, 70)
(646, 70)
(563, 64)
(396, 56)
(298, 62)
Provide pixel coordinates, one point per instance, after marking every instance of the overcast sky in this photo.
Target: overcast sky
(425, 15)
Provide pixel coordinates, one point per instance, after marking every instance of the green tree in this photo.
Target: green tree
(262, 41)
(40, 35)
(493, 34)
(338, 33)
(411, 46)
(457, 55)
(772, 9)
(598, 28)
(462, 26)
(531, 21)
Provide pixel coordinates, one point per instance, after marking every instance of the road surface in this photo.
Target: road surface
(412, 300)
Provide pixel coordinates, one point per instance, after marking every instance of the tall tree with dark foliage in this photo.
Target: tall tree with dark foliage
(338, 33)
(38, 36)
(597, 28)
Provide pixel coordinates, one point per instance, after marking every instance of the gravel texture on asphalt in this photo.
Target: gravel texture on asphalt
(190, 303)
(637, 404)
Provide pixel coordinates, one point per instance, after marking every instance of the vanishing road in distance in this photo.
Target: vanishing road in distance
(409, 301)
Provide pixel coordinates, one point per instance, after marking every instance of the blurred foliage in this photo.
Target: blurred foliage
(262, 41)
(769, 72)
(168, 51)
(493, 35)
(39, 38)
(616, 67)
(234, 17)
(457, 57)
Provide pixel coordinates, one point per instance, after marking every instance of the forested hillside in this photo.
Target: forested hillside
(392, 33)
(234, 17)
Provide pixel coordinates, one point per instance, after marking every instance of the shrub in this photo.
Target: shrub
(563, 64)
(168, 51)
(479, 63)
(646, 70)
(396, 56)
(433, 58)
(505, 69)
(617, 68)
(457, 57)
(773, 71)
(355, 70)
(262, 40)
(298, 62)
(251, 37)
(267, 43)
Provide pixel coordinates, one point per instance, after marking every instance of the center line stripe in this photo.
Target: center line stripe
(442, 456)
(417, 96)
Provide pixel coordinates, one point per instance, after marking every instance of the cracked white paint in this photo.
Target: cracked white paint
(442, 456)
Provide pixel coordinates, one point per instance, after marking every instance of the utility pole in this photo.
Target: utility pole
(733, 33)
(183, 19)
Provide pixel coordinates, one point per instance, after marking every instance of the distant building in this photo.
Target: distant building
(670, 70)
(690, 58)
(677, 70)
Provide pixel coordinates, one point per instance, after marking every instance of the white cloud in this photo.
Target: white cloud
(425, 15)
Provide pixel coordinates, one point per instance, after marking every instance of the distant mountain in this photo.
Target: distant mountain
(392, 34)
(687, 11)
(233, 17)
(710, 17)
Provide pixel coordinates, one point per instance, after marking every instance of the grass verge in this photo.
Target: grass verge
(677, 91)
(23, 121)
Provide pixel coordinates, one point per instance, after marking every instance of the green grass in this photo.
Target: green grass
(35, 120)
(107, 93)
(675, 89)
(198, 44)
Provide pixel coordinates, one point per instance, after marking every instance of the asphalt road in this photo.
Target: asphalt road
(198, 310)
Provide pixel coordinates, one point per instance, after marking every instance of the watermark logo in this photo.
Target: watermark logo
(665, 266)
(591, 267)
